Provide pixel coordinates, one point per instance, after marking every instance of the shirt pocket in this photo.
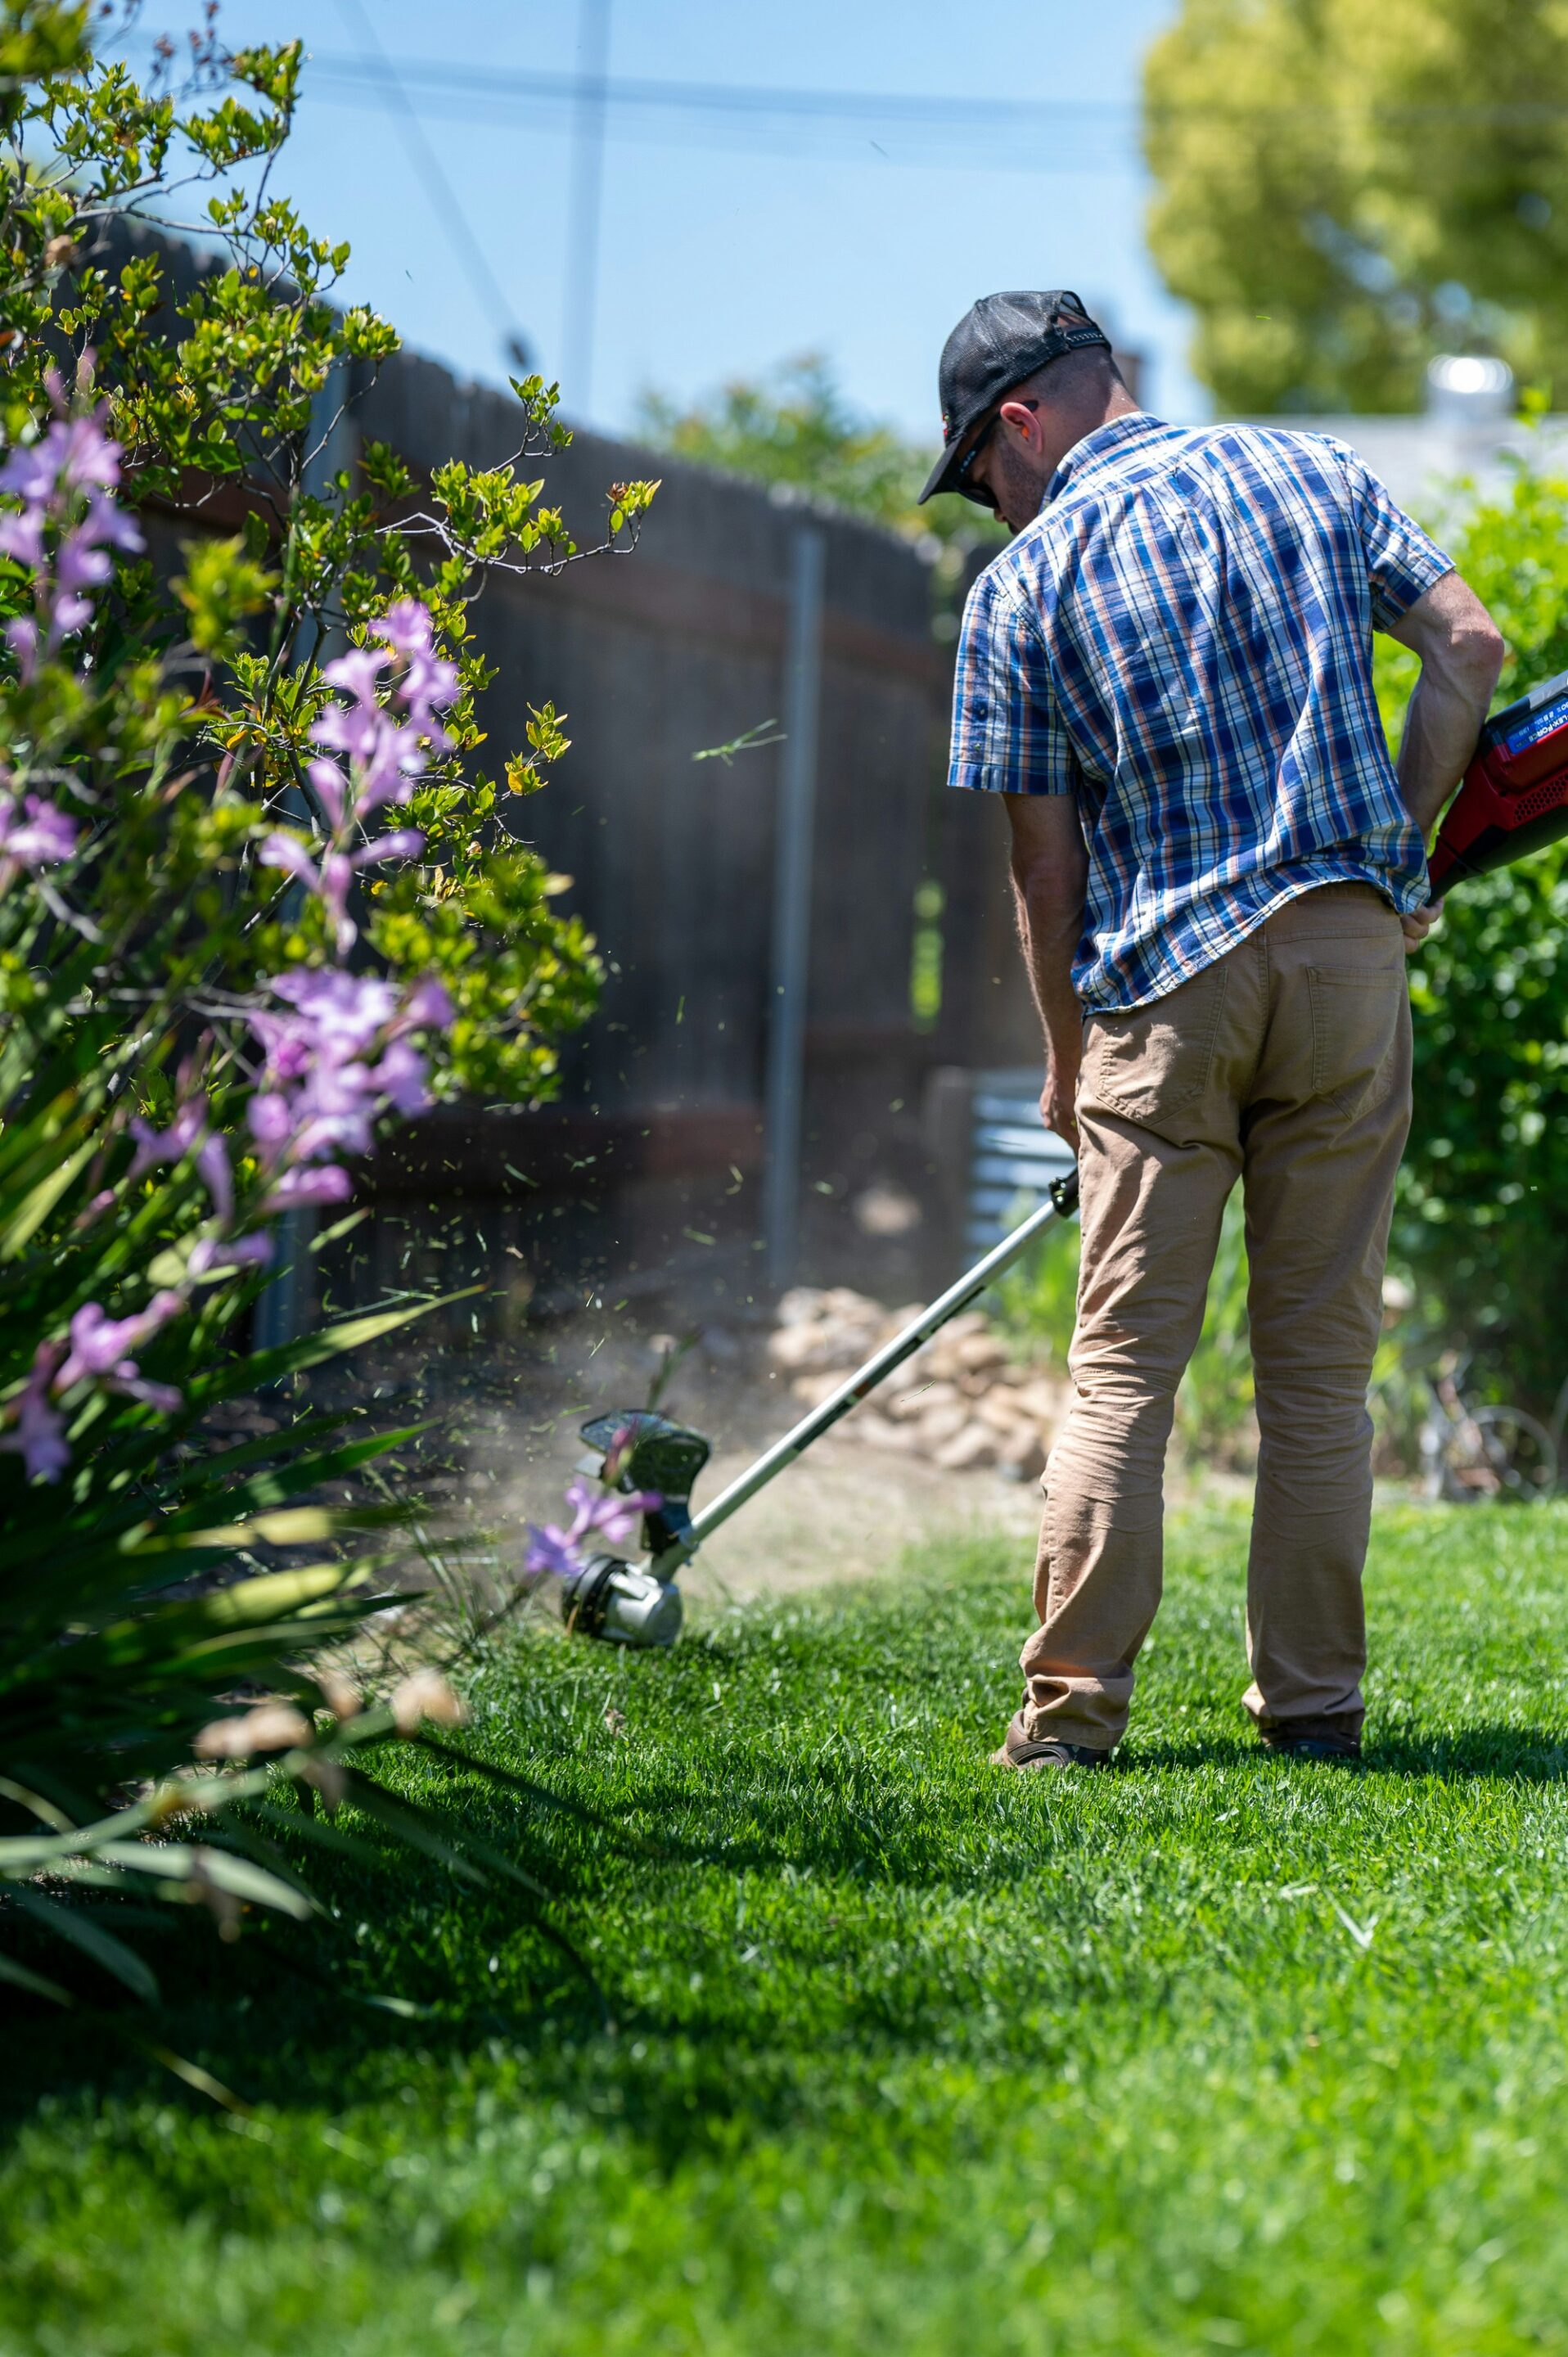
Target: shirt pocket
(1157, 1059)
(1358, 1013)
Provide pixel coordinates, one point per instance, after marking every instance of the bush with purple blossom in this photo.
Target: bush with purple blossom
(256, 905)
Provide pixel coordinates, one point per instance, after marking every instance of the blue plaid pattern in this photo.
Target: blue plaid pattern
(1182, 640)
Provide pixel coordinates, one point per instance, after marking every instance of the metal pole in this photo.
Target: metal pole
(586, 203)
(793, 908)
(1063, 1204)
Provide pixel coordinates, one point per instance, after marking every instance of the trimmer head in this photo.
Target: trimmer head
(622, 1602)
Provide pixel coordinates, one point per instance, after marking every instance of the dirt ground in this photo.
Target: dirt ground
(510, 1427)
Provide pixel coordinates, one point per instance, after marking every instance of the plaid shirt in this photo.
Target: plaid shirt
(1182, 640)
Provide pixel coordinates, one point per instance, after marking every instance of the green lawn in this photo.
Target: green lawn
(900, 2054)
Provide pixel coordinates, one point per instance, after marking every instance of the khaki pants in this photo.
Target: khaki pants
(1286, 1063)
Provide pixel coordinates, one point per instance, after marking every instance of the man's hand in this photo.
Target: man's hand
(1417, 926)
(1058, 1105)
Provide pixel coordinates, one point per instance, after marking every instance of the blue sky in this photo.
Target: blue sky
(728, 247)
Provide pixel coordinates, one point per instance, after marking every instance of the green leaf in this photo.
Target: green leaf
(35, 1984)
(71, 1923)
(18, 1230)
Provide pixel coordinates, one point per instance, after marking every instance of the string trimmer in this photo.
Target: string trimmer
(640, 1604)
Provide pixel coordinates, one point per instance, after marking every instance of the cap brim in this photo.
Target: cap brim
(943, 476)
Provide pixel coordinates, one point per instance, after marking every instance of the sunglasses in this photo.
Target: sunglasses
(982, 497)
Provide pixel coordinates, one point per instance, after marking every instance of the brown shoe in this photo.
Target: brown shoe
(1334, 1735)
(1050, 1755)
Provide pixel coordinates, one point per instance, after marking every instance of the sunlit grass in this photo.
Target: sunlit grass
(1215, 2051)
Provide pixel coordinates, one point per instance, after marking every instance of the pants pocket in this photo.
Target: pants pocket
(1157, 1058)
(1357, 1013)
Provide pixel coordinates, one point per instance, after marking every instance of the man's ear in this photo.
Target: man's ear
(1023, 420)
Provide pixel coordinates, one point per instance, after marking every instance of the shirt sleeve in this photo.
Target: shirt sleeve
(1402, 563)
(1008, 736)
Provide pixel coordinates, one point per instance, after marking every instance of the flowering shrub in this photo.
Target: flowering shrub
(252, 908)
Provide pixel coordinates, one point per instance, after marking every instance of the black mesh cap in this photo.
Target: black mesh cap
(1001, 339)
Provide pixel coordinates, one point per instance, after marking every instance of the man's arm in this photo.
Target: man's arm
(1461, 650)
(1050, 877)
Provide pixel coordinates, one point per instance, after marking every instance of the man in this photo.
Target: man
(1166, 676)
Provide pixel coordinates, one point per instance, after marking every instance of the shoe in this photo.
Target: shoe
(1312, 1738)
(1050, 1755)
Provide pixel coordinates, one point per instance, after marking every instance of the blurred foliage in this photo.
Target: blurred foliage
(1480, 1218)
(228, 397)
(1342, 191)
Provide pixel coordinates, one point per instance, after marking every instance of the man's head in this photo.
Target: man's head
(1024, 377)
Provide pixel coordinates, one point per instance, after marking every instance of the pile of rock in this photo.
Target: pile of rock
(964, 1402)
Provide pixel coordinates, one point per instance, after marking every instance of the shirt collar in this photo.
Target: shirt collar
(1097, 449)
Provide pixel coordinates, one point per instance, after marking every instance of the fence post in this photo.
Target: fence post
(793, 908)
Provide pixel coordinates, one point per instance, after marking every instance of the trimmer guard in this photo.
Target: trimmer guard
(1514, 798)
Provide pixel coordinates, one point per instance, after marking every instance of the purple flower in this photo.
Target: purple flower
(187, 1130)
(39, 1437)
(84, 457)
(330, 1064)
(212, 1162)
(271, 1121)
(80, 563)
(403, 843)
(67, 474)
(22, 536)
(407, 627)
(345, 1011)
(42, 839)
(329, 1185)
(287, 852)
(429, 684)
(401, 1076)
(326, 779)
(357, 672)
(237, 1252)
(331, 881)
(604, 1514)
(170, 1144)
(551, 1550)
(110, 524)
(612, 1515)
(21, 637)
(351, 728)
(101, 1346)
(427, 1006)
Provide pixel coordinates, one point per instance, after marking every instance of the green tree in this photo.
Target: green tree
(1343, 190)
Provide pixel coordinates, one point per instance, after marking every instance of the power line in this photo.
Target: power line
(392, 93)
(665, 111)
(439, 83)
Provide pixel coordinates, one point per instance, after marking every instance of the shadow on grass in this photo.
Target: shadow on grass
(1503, 1754)
(281, 2016)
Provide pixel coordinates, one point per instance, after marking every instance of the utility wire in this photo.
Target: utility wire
(437, 81)
(444, 199)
